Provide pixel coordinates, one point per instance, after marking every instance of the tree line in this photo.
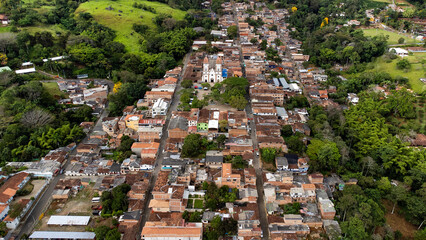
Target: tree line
(33, 122)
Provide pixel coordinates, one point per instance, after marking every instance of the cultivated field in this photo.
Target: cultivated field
(123, 15)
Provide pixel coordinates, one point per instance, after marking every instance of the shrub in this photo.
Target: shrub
(403, 64)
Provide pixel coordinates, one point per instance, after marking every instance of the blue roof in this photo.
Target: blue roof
(276, 82)
(225, 73)
(284, 83)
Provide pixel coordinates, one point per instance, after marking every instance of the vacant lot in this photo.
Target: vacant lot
(53, 89)
(418, 70)
(220, 107)
(393, 37)
(123, 15)
(79, 205)
(35, 186)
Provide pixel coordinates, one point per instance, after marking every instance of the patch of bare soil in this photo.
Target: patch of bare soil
(398, 222)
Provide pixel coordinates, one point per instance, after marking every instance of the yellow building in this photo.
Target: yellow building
(132, 121)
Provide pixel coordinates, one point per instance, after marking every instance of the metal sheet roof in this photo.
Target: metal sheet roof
(62, 235)
(276, 82)
(68, 220)
(284, 83)
(23, 71)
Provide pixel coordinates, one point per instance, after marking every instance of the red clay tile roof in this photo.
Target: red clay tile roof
(9, 188)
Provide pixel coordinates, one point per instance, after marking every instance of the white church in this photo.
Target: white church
(212, 70)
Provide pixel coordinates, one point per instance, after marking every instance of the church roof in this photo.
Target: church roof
(206, 60)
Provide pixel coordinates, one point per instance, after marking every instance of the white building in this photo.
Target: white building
(295, 88)
(353, 98)
(68, 220)
(399, 51)
(25, 71)
(212, 70)
(160, 107)
(320, 77)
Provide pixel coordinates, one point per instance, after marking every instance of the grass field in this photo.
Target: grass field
(53, 89)
(393, 37)
(198, 203)
(5, 29)
(384, 1)
(40, 28)
(377, 3)
(129, 15)
(418, 70)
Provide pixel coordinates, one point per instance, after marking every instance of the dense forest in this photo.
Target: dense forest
(366, 142)
(32, 122)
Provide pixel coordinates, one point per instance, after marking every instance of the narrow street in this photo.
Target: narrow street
(259, 178)
(256, 160)
(160, 157)
(43, 202)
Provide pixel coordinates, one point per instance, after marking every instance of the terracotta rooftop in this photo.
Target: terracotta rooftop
(9, 188)
(176, 232)
(146, 146)
(162, 180)
(170, 218)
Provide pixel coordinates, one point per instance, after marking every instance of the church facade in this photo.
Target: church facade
(212, 70)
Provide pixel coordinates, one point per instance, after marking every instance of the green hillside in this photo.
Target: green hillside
(122, 21)
(393, 37)
(416, 72)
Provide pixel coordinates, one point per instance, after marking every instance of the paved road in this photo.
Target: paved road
(257, 164)
(256, 161)
(161, 153)
(27, 226)
(41, 205)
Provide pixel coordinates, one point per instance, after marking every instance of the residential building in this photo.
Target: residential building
(188, 231)
(178, 127)
(281, 163)
(11, 186)
(229, 178)
(214, 159)
(160, 107)
(145, 150)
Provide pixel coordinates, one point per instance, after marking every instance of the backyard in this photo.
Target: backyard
(195, 201)
(32, 188)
